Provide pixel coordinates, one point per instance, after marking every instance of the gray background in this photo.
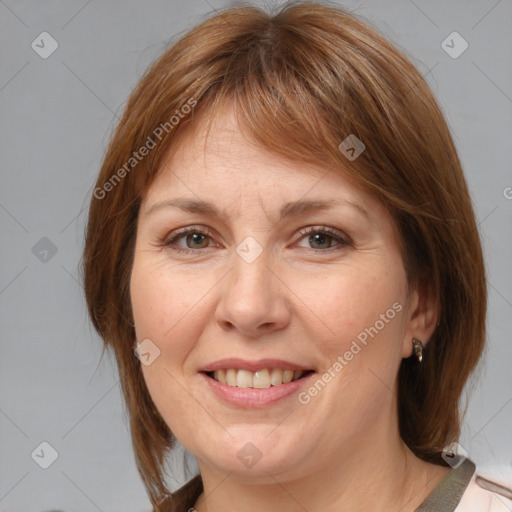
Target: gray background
(55, 118)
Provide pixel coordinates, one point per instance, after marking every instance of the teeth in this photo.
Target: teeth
(297, 374)
(244, 379)
(287, 375)
(276, 377)
(261, 379)
(221, 376)
(230, 377)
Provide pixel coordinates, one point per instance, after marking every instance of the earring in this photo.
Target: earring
(418, 349)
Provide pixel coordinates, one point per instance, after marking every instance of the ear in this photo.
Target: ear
(422, 317)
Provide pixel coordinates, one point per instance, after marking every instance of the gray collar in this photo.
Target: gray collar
(447, 495)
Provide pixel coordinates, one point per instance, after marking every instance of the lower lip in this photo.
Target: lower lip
(252, 397)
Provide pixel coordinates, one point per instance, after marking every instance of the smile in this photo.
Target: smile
(248, 395)
(260, 379)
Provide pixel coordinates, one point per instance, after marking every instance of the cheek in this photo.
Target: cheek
(358, 331)
(168, 307)
(359, 310)
(160, 298)
(163, 310)
(355, 298)
(151, 299)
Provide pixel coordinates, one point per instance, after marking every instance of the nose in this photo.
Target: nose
(254, 299)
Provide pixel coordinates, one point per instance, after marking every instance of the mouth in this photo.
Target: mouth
(244, 383)
(259, 379)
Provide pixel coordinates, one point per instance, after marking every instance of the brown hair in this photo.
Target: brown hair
(302, 79)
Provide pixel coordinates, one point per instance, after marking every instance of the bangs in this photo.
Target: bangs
(299, 93)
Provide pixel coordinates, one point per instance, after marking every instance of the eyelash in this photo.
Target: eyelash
(170, 242)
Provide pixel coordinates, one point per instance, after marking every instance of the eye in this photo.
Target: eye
(197, 238)
(323, 236)
(194, 237)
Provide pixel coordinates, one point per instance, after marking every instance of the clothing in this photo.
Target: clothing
(482, 495)
(463, 489)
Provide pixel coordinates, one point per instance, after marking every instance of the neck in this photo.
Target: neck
(379, 476)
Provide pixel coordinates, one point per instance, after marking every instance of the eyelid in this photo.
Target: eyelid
(333, 232)
(178, 233)
(340, 237)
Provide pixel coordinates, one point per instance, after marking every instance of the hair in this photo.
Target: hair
(302, 80)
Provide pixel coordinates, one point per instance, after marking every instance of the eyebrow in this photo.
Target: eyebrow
(290, 209)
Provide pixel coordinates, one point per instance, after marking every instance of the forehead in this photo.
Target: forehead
(217, 159)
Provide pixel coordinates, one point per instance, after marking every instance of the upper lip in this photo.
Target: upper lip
(260, 364)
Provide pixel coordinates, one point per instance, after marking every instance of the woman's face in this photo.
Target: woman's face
(249, 285)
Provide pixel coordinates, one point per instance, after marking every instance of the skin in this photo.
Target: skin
(342, 450)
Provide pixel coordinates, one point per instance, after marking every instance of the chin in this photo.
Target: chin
(254, 454)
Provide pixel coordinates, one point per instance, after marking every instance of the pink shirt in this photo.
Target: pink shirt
(492, 496)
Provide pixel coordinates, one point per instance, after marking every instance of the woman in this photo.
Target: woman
(311, 350)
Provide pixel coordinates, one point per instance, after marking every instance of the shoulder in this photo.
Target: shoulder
(489, 490)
